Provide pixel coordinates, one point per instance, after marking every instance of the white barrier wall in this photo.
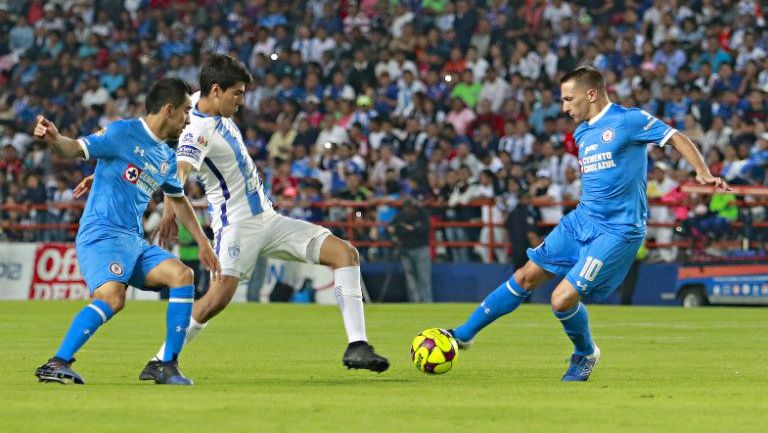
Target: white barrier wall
(294, 274)
(16, 268)
(49, 271)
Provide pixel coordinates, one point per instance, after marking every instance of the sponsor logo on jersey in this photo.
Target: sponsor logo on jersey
(590, 148)
(608, 135)
(597, 162)
(188, 151)
(234, 249)
(201, 141)
(163, 168)
(138, 151)
(150, 168)
(132, 173)
(116, 269)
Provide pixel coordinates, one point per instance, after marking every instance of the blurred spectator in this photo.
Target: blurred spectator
(281, 143)
(660, 185)
(410, 229)
(487, 189)
(548, 195)
(61, 196)
(343, 90)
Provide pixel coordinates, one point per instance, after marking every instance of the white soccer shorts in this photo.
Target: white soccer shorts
(269, 234)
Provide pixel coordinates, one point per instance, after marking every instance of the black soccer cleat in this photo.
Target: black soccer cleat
(59, 371)
(360, 355)
(150, 371)
(168, 373)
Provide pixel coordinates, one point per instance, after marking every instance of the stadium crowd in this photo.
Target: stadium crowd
(438, 100)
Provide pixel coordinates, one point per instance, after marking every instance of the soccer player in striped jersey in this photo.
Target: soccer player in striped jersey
(244, 222)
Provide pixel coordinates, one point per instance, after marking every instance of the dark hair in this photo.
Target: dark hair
(586, 76)
(223, 70)
(166, 91)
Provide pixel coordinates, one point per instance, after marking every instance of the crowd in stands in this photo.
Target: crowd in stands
(439, 100)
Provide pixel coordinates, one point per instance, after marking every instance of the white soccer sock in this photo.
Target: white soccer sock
(349, 297)
(194, 328)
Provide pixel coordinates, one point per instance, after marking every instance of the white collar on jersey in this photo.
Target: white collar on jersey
(599, 115)
(149, 131)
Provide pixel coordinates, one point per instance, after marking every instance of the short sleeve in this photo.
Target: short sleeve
(193, 145)
(643, 128)
(172, 186)
(105, 143)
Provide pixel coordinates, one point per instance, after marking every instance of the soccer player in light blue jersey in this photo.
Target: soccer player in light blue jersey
(133, 162)
(593, 246)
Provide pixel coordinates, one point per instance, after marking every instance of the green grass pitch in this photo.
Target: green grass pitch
(277, 368)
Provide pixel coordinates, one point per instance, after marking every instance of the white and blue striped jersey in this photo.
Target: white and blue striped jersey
(214, 147)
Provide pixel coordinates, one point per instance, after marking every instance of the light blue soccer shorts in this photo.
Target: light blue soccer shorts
(126, 258)
(594, 261)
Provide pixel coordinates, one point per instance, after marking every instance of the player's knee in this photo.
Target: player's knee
(525, 280)
(353, 255)
(347, 256)
(561, 302)
(185, 277)
(115, 299)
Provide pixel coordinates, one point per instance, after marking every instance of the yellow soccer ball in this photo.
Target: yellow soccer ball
(434, 351)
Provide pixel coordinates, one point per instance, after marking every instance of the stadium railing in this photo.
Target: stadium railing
(347, 222)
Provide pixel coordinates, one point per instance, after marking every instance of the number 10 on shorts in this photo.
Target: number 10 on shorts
(590, 269)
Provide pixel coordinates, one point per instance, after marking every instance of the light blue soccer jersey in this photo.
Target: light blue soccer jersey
(614, 165)
(133, 164)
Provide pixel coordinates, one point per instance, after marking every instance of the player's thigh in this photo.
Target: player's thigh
(602, 266)
(163, 270)
(291, 239)
(110, 258)
(559, 251)
(238, 247)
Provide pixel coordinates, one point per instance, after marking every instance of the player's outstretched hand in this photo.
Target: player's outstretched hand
(83, 187)
(210, 261)
(45, 130)
(167, 232)
(717, 182)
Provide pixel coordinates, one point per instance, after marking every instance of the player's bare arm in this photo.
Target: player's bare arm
(167, 232)
(83, 187)
(63, 146)
(691, 154)
(181, 207)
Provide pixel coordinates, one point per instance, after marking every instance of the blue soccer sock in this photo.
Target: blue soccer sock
(576, 324)
(508, 296)
(177, 320)
(83, 326)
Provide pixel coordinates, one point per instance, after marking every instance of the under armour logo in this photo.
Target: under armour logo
(486, 310)
(138, 151)
(87, 331)
(179, 329)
